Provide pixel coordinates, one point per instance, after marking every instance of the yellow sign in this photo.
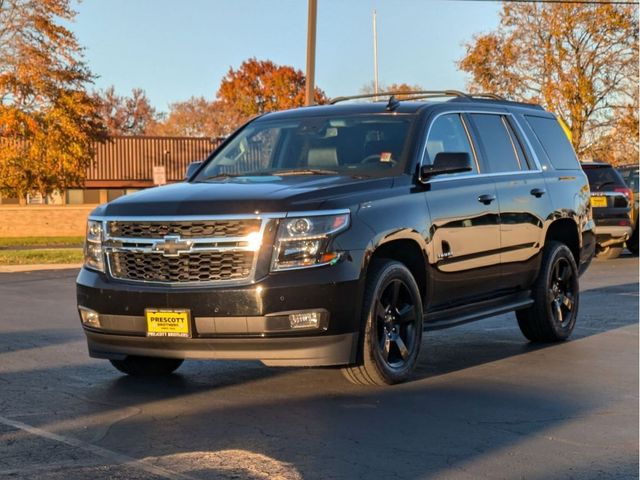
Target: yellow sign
(167, 323)
(598, 201)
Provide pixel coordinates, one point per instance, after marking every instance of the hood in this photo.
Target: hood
(242, 195)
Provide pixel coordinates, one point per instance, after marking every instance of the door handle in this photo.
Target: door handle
(538, 192)
(486, 198)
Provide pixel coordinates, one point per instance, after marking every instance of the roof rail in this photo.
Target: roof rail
(393, 100)
(491, 96)
(411, 94)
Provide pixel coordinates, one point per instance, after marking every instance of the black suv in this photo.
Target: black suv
(334, 235)
(611, 201)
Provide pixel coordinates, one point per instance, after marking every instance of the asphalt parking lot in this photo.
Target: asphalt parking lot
(485, 403)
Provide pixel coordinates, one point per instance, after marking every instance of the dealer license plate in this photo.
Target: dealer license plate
(167, 323)
(598, 201)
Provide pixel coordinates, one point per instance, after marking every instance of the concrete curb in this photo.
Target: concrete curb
(37, 266)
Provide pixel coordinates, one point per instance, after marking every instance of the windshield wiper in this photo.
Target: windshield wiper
(222, 175)
(299, 171)
(304, 171)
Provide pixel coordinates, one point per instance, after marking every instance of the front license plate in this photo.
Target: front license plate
(167, 323)
(598, 201)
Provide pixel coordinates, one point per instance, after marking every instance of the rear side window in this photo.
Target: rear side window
(554, 141)
(603, 177)
(499, 147)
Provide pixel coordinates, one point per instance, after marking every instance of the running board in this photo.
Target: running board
(462, 315)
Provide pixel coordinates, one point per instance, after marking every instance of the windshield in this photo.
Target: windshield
(363, 145)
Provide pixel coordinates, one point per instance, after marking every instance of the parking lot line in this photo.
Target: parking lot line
(113, 457)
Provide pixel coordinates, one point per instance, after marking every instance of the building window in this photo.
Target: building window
(92, 196)
(114, 193)
(75, 197)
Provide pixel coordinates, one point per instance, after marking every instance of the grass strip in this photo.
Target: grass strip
(9, 242)
(49, 256)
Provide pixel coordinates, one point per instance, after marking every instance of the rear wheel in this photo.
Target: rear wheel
(609, 253)
(392, 327)
(556, 297)
(632, 243)
(147, 366)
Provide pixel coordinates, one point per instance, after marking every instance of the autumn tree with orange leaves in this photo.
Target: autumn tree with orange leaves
(126, 115)
(48, 121)
(254, 88)
(398, 88)
(578, 61)
(260, 86)
(196, 117)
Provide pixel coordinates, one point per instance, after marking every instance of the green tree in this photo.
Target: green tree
(579, 61)
(48, 121)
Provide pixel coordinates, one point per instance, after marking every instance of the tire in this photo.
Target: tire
(556, 296)
(609, 253)
(391, 330)
(632, 243)
(147, 366)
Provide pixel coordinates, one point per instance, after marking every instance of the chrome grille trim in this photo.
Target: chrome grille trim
(199, 245)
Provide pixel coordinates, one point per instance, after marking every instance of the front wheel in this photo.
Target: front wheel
(147, 366)
(556, 296)
(392, 326)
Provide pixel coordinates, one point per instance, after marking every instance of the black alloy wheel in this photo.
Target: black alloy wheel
(395, 316)
(561, 292)
(556, 295)
(391, 326)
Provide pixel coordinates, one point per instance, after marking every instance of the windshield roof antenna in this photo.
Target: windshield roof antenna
(393, 103)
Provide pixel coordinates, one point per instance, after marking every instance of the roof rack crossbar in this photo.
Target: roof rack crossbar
(433, 93)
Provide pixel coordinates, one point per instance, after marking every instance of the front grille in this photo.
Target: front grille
(188, 267)
(186, 229)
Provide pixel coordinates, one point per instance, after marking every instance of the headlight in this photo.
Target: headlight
(93, 253)
(303, 241)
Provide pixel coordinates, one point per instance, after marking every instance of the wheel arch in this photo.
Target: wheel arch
(565, 230)
(410, 253)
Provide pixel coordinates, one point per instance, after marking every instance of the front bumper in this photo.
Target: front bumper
(240, 322)
(292, 351)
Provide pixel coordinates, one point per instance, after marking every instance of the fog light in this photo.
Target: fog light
(304, 320)
(89, 317)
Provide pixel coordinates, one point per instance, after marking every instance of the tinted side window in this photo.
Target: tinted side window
(447, 134)
(555, 142)
(499, 149)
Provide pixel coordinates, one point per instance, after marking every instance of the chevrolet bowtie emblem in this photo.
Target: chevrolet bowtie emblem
(172, 246)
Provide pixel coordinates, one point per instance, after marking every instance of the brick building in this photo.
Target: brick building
(126, 163)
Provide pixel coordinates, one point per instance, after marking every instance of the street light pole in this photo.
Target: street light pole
(375, 54)
(311, 52)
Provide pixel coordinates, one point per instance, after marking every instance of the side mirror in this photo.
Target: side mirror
(191, 169)
(447, 162)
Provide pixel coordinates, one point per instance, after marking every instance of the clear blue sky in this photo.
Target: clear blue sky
(177, 49)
